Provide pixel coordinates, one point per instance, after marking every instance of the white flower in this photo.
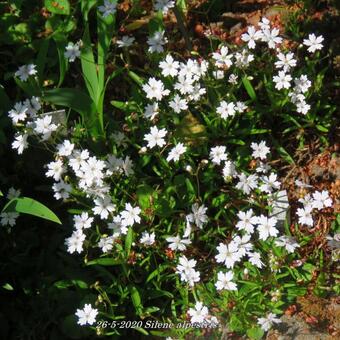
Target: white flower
(229, 169)
(288, 242)
(65, 149)
(8, 218)
(244, 246)
(55, 170)
(267, 322)
(78, 159)
(255, 259)
(155, 137)
(233, 79)
(198, 215)
(117, 226)
(20, 143)
(260, 150)
(270, 183)
(224, 281)
(176, 152)
(164, 5)
(264, 24)
(271, 37)
(240, 106)
(226, 109)
(184, 84)
(25, 71)
(302, 107)
(222, 59)
(186, 269)
(321, 200)
(251, 36)
(266, 227)
(130, 215)
(228, 254)
(127, 166)
(106, 243)
(247, 221)
(156, 42)
(282, 80)
(61, 190)
(103, 207)
(87, 315)
(13, 193)
(305, 215)
(218, 154)
(108, 8)
(19, 113)
(313, 42)
(176, 243)
(155, 89)
(151, 111)
(72, 52)
(246, 183)
(126, 41)
(82, 221)
(286, 61)
(147, 239)
(178, 104)
(45, 127)
(198, 314)
(243, 58)
(302, 84)
(75, 242)
(169, 66)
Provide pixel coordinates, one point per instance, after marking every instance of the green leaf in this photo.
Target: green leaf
(144, 195)
(255, 333)
(128, 241)
(7, 286)
(321, 128)
(89, 66)
(137, 79)
(105, 261)
(58, 6)
(30, 206)
(86, 6)
(61, 42)
(156, 272)
(41, 59)
(71, 98)
(249, 87)
(136, 300)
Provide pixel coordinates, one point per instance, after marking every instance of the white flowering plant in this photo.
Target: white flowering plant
(169, 171)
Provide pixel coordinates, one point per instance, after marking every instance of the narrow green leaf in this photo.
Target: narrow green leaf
(86, 6)
(60, 41)
(137, 79)
(105, 261)
(89, 66)
(249, 88)
(7, 286)
(128, 241)
(41, 59)
(30, 206)
(136, 299)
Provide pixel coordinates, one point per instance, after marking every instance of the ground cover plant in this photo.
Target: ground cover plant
(167, 159)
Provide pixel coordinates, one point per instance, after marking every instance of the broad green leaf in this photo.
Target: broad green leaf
(104, 261)
(249, 88)
(255, 333)
(30, 206)
(7, 286)
(58, 6)
(71, 98)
